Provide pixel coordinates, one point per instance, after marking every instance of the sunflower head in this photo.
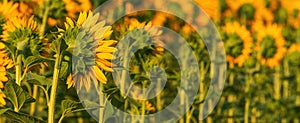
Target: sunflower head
(91, 52)
(238, 43)
(270, 45)
(8, 9)
(21, 33)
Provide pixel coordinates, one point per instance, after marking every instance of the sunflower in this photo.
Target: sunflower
(211, 7)
(75, 6)
(14, 23)
(8, 9)
(290, 5)
(250, 9)
(294, 21)
(270, 45)
(238, 43)
(88, 69)
(159, 18)
(2, 96)
(132, 23)
(5, 63)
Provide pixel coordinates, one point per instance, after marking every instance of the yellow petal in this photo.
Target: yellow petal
(104, 67)
(82, 17)
(99, 75)
(3, 79)
(102, 49)
(108, 43)
(70, 22)
(105, 56)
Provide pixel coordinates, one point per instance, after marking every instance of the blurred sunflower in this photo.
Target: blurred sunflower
(132, 23)
(136, 95)
(251, 10)
(24, 9)
(294, 20)
(16, 23)
(270, 45)
(2, 96)
(293, 54)
(75, 6)
(92, 36)
(8, 9)
(160, 18)
(238, 43)
(5, 63)
(290, 5)
(211, 7)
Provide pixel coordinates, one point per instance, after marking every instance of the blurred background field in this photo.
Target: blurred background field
(261, 40)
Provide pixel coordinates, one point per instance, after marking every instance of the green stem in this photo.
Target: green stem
(231, 97)
(34, 95)
(18, 69)
(61, 118)
(277, 84)
(51, 109)
(102, 103)
(45, 18)
(143, 111)
(247, 104)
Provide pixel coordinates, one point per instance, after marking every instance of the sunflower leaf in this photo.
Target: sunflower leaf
(20, 117)
(17, 96)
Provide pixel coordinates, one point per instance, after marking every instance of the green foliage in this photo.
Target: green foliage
(16, 95)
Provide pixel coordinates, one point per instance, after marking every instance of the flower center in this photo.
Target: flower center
(234, 46)
(268, 47)
(246, 11)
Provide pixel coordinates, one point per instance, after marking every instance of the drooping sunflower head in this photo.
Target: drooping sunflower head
(92, 51)
(238, 43)
(22, 34)
(270, 45)
(132, 24)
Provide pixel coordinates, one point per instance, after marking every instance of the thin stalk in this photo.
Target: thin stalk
(143, 111)
(51, 109)
(159, 103)
(45, 18)
(286, 82)
(297, 102)
(33, 105)
(181, 92)
(277, 84)
(247, 104)
(102, 104)
(122, 81)
(18, 69)
(231, 98)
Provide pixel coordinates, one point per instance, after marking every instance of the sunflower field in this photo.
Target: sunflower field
(73, 61)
